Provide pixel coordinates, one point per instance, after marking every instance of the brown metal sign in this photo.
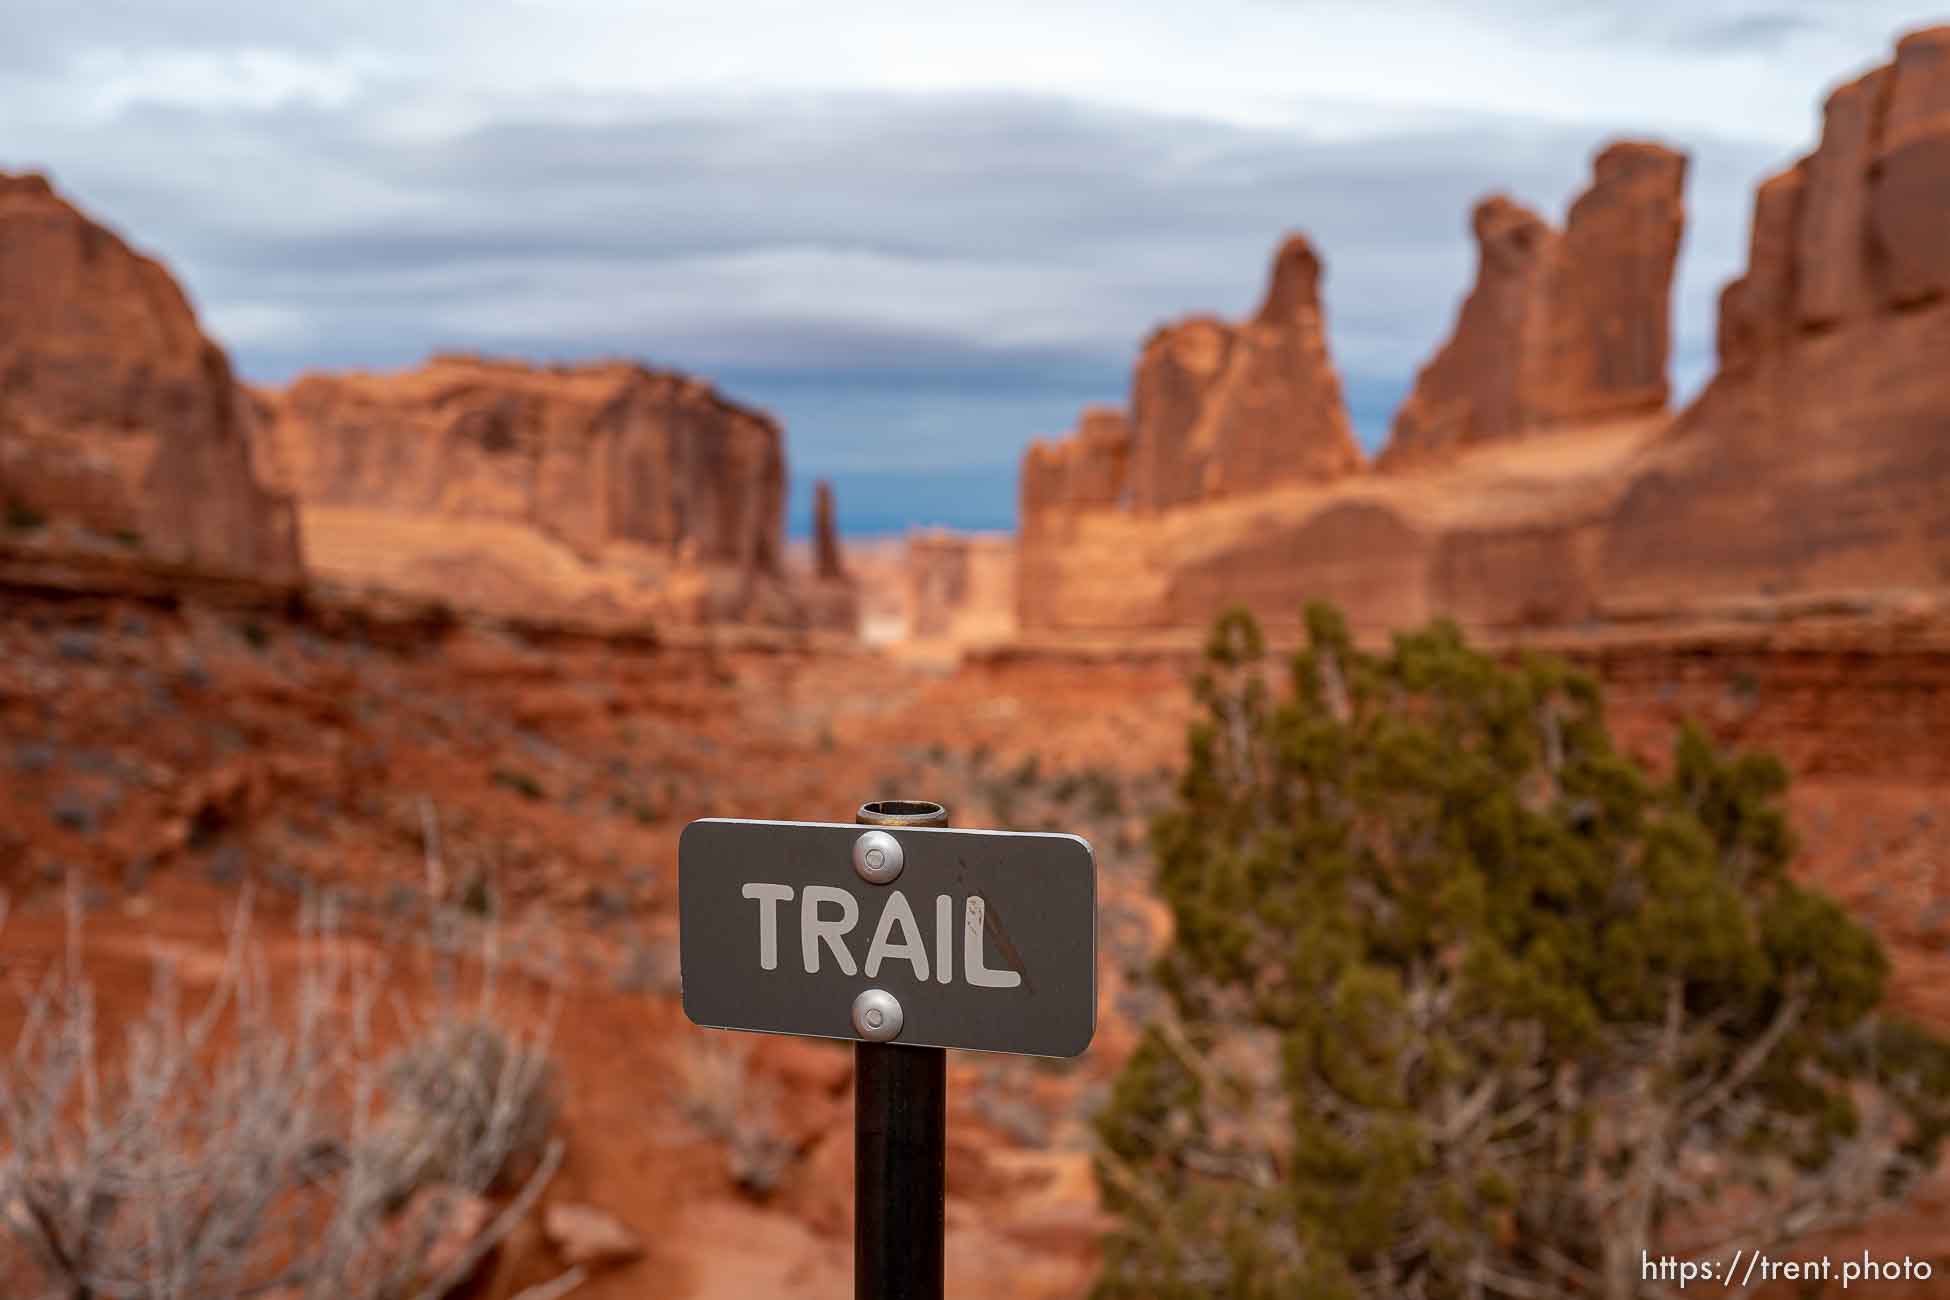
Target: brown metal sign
(925, 936)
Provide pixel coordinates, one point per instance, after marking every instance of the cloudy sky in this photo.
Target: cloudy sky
(921, 235)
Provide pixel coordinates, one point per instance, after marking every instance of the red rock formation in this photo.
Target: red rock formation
(1365, 556)
(117, 414)
(1277, 415)
(1177, 370)
(657, 495)
(1818, 458)
(1611, 291)
(961, 586)
(1911, 190)
(830, 597)
(1757, 311)
(1217, 410)
(1812, 473)
(587, 454)
(1089, 469)
(826, 535)
(1473, 388)
(1558, 330)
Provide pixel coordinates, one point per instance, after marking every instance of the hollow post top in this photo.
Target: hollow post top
(902, 812)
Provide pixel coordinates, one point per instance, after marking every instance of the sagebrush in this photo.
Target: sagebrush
(307, 1130)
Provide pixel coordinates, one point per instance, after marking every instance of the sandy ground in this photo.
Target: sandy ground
(166, 755)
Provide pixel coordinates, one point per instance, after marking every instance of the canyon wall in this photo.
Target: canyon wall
(603, 489)
(961, 586)
(1236, 478)
(607, 490)
(1559, 330)
(1813, 470)
(121, 428)
(1218, 412)
(586, 454)
(1217, 409)
(1818, 458)
(936, 593)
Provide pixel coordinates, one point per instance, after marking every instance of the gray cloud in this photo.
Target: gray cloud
(1706, 27)
(1755, 32)
(44, 35)
(928, 279)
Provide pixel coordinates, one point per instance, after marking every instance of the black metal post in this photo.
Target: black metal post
(900, 1142)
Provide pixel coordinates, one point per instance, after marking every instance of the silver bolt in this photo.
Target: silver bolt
(877, 857)
(877, 1016)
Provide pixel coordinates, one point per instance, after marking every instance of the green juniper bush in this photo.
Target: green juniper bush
(1462, 1002)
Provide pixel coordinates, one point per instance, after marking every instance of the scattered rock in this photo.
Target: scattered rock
(439, 1225)
(593, 1238)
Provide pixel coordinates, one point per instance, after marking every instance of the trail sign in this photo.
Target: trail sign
(922, 936)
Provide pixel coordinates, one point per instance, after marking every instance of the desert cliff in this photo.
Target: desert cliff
(121, 427)
(1560, 329)
(128, 451)
(1534, 478)
(1818, 458)
(1216, 410)
(598, 489)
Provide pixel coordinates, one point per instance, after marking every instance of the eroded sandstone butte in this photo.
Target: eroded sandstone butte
(1812, 472)
(829, 596)
(1559, 329)
(827, 563)
(961, 587)
(1123, 531)
(121, 427)
(1217, 411)
(604, 489)
(1818, 458)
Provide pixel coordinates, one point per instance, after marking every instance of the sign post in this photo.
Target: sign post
(908, 938)
(900, 1134)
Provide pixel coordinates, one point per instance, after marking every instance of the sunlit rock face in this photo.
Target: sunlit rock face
(1218, 409)
(118, 416)
(1534, 477)
(1818, 458)
(604, 488)
(1560, 329)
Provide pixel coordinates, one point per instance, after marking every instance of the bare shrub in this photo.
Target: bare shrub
(260, 1139)
(722, 1099)
(648, 965)
(469, 1107)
